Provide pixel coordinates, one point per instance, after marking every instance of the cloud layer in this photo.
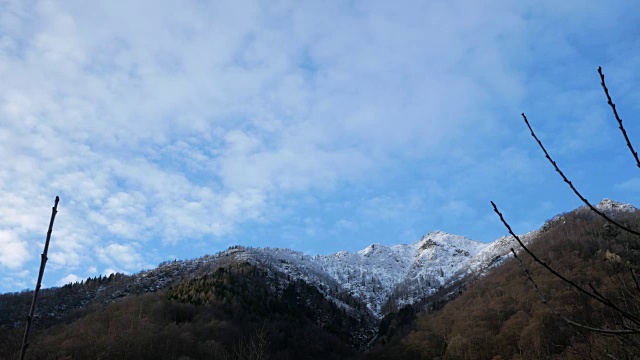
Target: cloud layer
(172, 125)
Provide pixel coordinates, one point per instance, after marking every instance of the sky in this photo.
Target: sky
(175, 129)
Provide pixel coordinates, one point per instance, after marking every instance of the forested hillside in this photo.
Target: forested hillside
(234, 312)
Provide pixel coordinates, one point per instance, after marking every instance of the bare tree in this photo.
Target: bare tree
(43, 263)
(629, 323)
(255, 347)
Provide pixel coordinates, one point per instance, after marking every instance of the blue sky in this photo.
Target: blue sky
(176, 129)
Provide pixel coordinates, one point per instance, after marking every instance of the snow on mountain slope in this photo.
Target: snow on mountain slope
(496, 253)
(373, 274)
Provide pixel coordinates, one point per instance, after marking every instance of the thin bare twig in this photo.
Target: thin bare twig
(596, 292)
(615, 113)
(575, 191)
(604, 301)
(564, 318)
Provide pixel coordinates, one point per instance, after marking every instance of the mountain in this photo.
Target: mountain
(352, 295)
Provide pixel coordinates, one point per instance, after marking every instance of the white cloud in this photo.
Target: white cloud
(123, 256)
(13, 250)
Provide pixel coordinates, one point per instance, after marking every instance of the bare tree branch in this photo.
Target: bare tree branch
(604, 301)
(627, 331)
(615, 113)
(575, 191)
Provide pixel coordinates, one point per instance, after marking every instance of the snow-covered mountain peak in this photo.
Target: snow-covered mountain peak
(609, 205)
(372, 249)
(448, 241)
(438, 233)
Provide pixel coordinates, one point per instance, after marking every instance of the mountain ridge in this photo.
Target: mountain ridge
(392, 276)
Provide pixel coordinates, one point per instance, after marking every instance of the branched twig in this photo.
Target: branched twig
(603, 301)
(615, 113)
(575, 191)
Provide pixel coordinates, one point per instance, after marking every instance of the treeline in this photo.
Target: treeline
(96, 280)
(502, 315)
(60, 305)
